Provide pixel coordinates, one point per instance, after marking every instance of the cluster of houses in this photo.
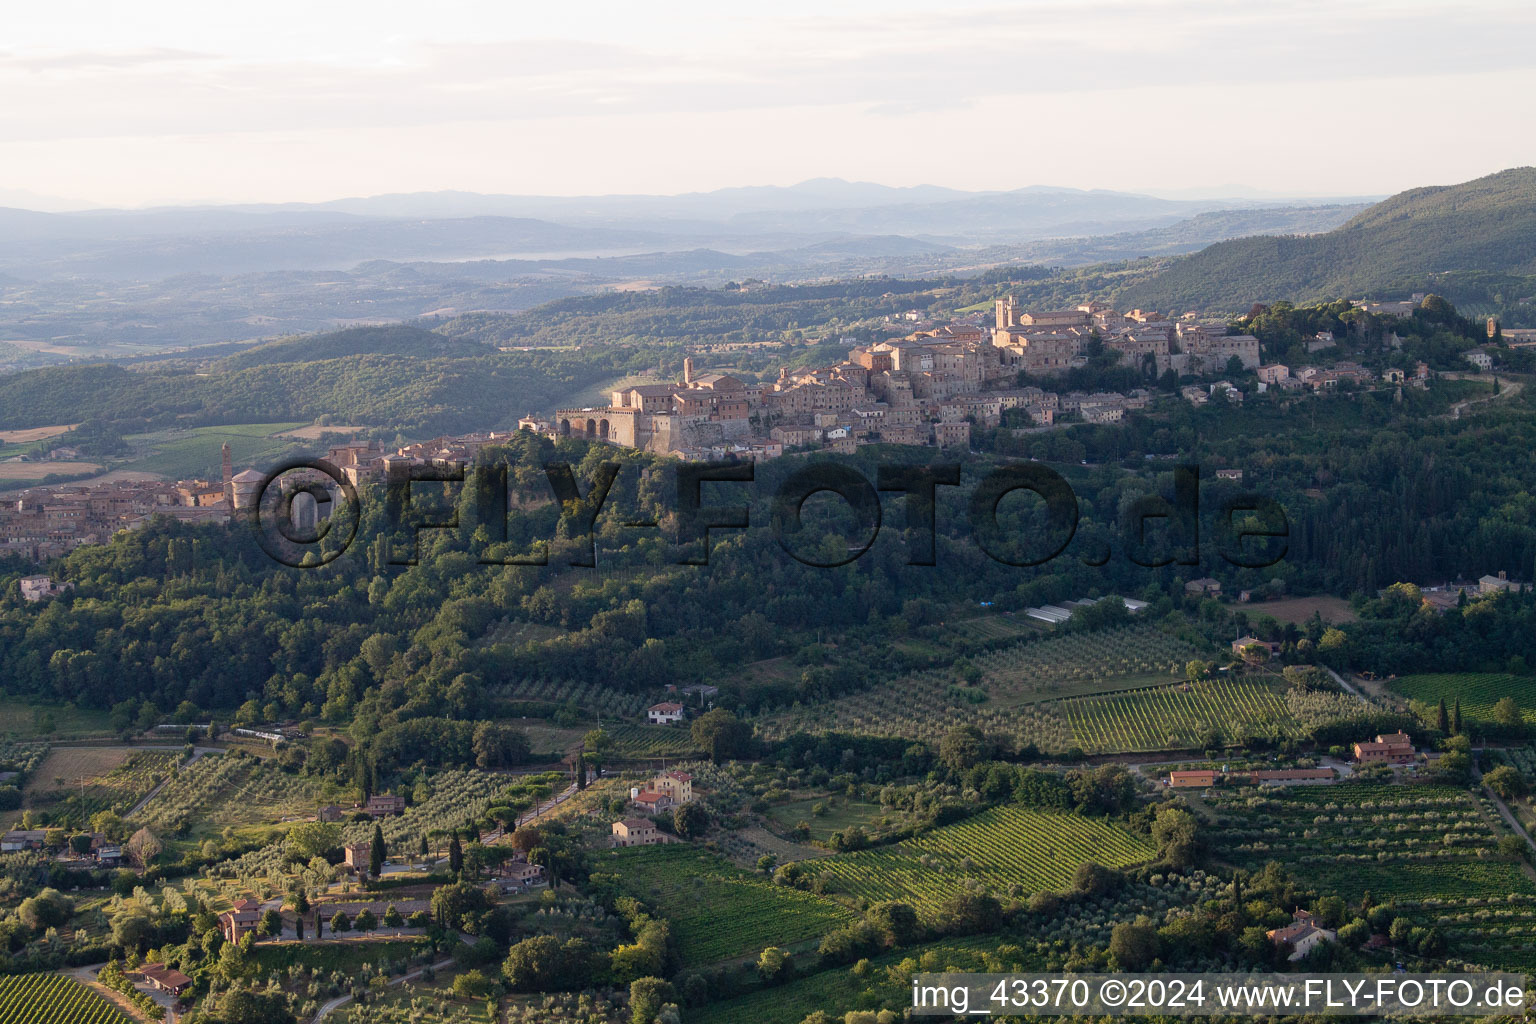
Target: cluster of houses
(379, 805)
(102, 853)
(659, 795)
(926, 388)
(1444, 597)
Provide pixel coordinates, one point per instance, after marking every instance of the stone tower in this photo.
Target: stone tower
(229, 478)
(1007, 313)
(688, 371)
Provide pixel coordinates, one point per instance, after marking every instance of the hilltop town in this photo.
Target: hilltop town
(931, 387)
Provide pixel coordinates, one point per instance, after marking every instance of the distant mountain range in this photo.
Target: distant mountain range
(1407, 242)
(448, 226)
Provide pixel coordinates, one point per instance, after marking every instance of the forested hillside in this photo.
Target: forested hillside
(1402, 244)
(415, 394)
(394, 340)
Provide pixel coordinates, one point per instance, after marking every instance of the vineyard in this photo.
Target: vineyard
(53, 999)
(1023, 690)
(218, 791)
(641, 741)
(717, 911)
(1004, 850)
(1479, 692)
(1173, 717)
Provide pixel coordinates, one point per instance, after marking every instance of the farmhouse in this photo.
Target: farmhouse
(634, 832)
(1205, 587)
(522, 876)
(22, 839)
(1191, 780)
(1273, 776)
(385, 803)
(328, 813)
(164, 978)
(241, 921)
(1302, 934)
(665, 713)
(676, 784)
(1391, 748)
(356, 856)
(37, 588)
(652, 801)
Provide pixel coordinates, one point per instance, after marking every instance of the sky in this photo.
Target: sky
(176, 101)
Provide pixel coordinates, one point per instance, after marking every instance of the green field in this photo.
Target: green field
(347, 956)
(53, 999)
(717, 910)
(839, 989)
(27, 720)
(1479, 691)
(185, 454)
(1003, 847)
(840, 814)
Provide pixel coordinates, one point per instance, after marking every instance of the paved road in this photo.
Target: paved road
(1346, 684)
(87, 977)
(1504, 811)
(341, 1001)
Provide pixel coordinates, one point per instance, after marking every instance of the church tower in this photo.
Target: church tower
(229, 478)
(688, 371)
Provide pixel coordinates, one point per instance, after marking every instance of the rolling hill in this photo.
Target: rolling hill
(1400, 244)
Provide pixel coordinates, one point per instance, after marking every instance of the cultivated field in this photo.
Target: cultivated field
(76, 782)
(39, 470)
(53, 999)
(1006, 849)
(221, 791)
(314, 432)
(31, 434)
(184, 454)
(718, 911)
(1300, 609)
(1022, 692)
(1174, 717)
(1415, 841)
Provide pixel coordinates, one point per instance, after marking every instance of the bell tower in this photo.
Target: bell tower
(229, 478)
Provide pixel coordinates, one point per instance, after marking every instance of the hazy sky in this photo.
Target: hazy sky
(175, 100)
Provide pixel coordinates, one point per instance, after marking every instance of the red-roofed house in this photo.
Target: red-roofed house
(165, 978)
(1302, 933)
(653, 802)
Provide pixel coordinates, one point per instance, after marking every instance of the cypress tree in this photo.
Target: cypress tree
(455, 854)
(1456, 719)
(376, 851)
(1443, 719)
